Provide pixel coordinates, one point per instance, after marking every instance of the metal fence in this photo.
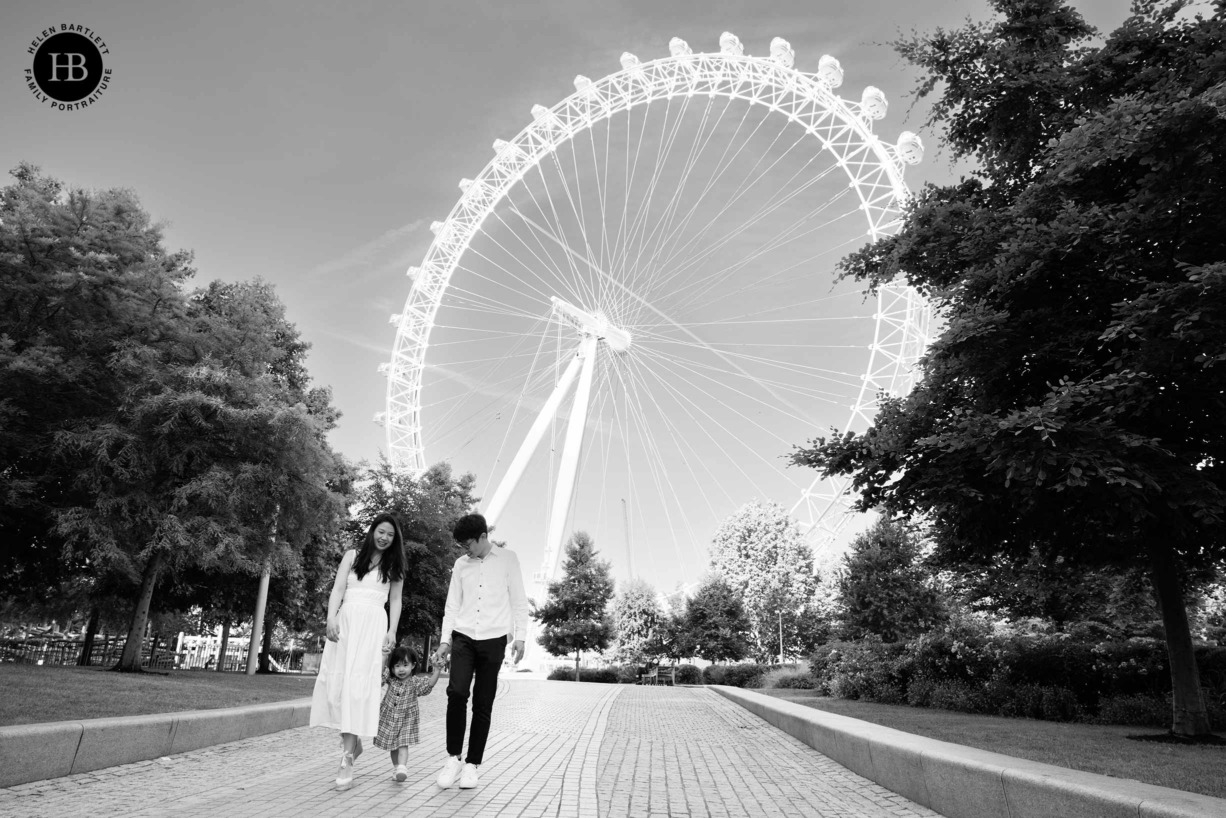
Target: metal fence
(160, 654)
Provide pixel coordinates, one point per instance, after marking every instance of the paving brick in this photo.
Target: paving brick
(556, 750)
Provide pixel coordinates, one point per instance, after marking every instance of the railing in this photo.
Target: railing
(106, 650)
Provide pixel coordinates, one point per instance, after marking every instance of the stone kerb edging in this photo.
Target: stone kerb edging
(962, 782)
(33, 752)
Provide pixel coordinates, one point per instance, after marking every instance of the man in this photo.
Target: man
(486, 608)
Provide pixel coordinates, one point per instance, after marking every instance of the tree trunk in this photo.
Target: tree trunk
(1189, 717)
(576, 665)
(91, 631)
(129, 662)
(266, 648)
(225, 643)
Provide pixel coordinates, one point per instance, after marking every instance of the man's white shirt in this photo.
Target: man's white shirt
(486, 598)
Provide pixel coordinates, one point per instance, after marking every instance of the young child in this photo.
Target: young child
(398, 712)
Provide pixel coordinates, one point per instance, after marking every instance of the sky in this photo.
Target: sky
(312, 144)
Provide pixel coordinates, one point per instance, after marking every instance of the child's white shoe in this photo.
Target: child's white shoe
(401, 773)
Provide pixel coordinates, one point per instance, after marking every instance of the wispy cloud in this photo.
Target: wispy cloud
(362, 343)
(375, 256)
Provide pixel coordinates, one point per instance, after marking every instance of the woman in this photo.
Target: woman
(359, 634)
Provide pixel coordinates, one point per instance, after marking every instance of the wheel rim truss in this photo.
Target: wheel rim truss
(873, 167)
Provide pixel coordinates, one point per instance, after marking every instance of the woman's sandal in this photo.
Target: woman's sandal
(344, 776)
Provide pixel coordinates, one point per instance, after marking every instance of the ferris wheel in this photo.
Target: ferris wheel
(630, 316)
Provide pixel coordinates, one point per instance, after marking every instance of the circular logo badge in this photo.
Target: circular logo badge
(68, 67)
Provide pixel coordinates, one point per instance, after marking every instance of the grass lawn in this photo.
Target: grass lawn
(1089, 747)
(34, 693)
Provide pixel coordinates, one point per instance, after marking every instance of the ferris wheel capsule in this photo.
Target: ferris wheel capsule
(910, 148)
(782, 53)
(730, 45)
(873, 103)
(678, 47)
(829, 71)
(629, 61)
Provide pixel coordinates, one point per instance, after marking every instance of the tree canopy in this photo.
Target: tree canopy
(883, 590)
(636, 618)
(574, 617)
(716, 626)
(760, 553)
(1072, 403)
(148, 428)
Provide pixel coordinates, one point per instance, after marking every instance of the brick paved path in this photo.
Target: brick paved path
(556, 749)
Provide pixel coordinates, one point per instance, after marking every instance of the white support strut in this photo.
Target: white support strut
(516, 470)
(570, 456)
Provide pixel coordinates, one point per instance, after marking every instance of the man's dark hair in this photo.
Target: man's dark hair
(469, 527)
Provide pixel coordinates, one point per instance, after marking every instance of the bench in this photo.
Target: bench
(654, 675)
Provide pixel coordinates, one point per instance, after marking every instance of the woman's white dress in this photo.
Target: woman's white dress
(347, 690)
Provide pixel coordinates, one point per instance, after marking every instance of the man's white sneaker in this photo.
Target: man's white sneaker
(451, 771)
(468, 778)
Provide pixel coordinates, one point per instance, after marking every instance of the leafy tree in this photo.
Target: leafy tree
(84, 279)
(427, 506)
(1060, 595)
(636, 619)
(759, 551)
(716, 626)
(197, 434)
(882, 588)
(1071, 407)
(574, 618)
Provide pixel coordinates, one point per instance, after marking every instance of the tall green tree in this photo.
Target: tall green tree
(636, 618)
(1072, 404)
(143, 427)
(84, 281)
(574, 617)
(1060, 595)
(883, 590)
(716, 626)
(759, 551)
(427, 506)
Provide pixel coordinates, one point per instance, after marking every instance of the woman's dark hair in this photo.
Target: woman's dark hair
(391, 565)
(403, 653)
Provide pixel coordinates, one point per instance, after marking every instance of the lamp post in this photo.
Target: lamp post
(780, 636)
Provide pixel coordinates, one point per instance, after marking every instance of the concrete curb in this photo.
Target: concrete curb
(962, 782)
(33, 752)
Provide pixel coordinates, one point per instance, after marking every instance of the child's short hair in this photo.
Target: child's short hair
(469, 527)
(402, 653)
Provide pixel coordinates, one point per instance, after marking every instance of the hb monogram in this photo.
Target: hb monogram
(71, 65)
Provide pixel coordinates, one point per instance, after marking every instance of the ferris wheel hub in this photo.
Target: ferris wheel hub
(595, 325)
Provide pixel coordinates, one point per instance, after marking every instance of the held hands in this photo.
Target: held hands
(333, 630)
(389, 642)
(517, 651)
(440, 655)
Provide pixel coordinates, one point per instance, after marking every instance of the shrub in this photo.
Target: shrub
(960, 696)
(963, 649)
(776, 672)
(734, 675)
(799, 680)
(688, 675)
(603, 675)
(1134, 710)
(870, 670)
(627, 674)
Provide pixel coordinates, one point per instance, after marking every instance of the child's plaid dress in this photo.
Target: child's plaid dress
(398, 712)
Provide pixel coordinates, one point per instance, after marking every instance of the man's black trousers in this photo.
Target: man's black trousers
(474, 665)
